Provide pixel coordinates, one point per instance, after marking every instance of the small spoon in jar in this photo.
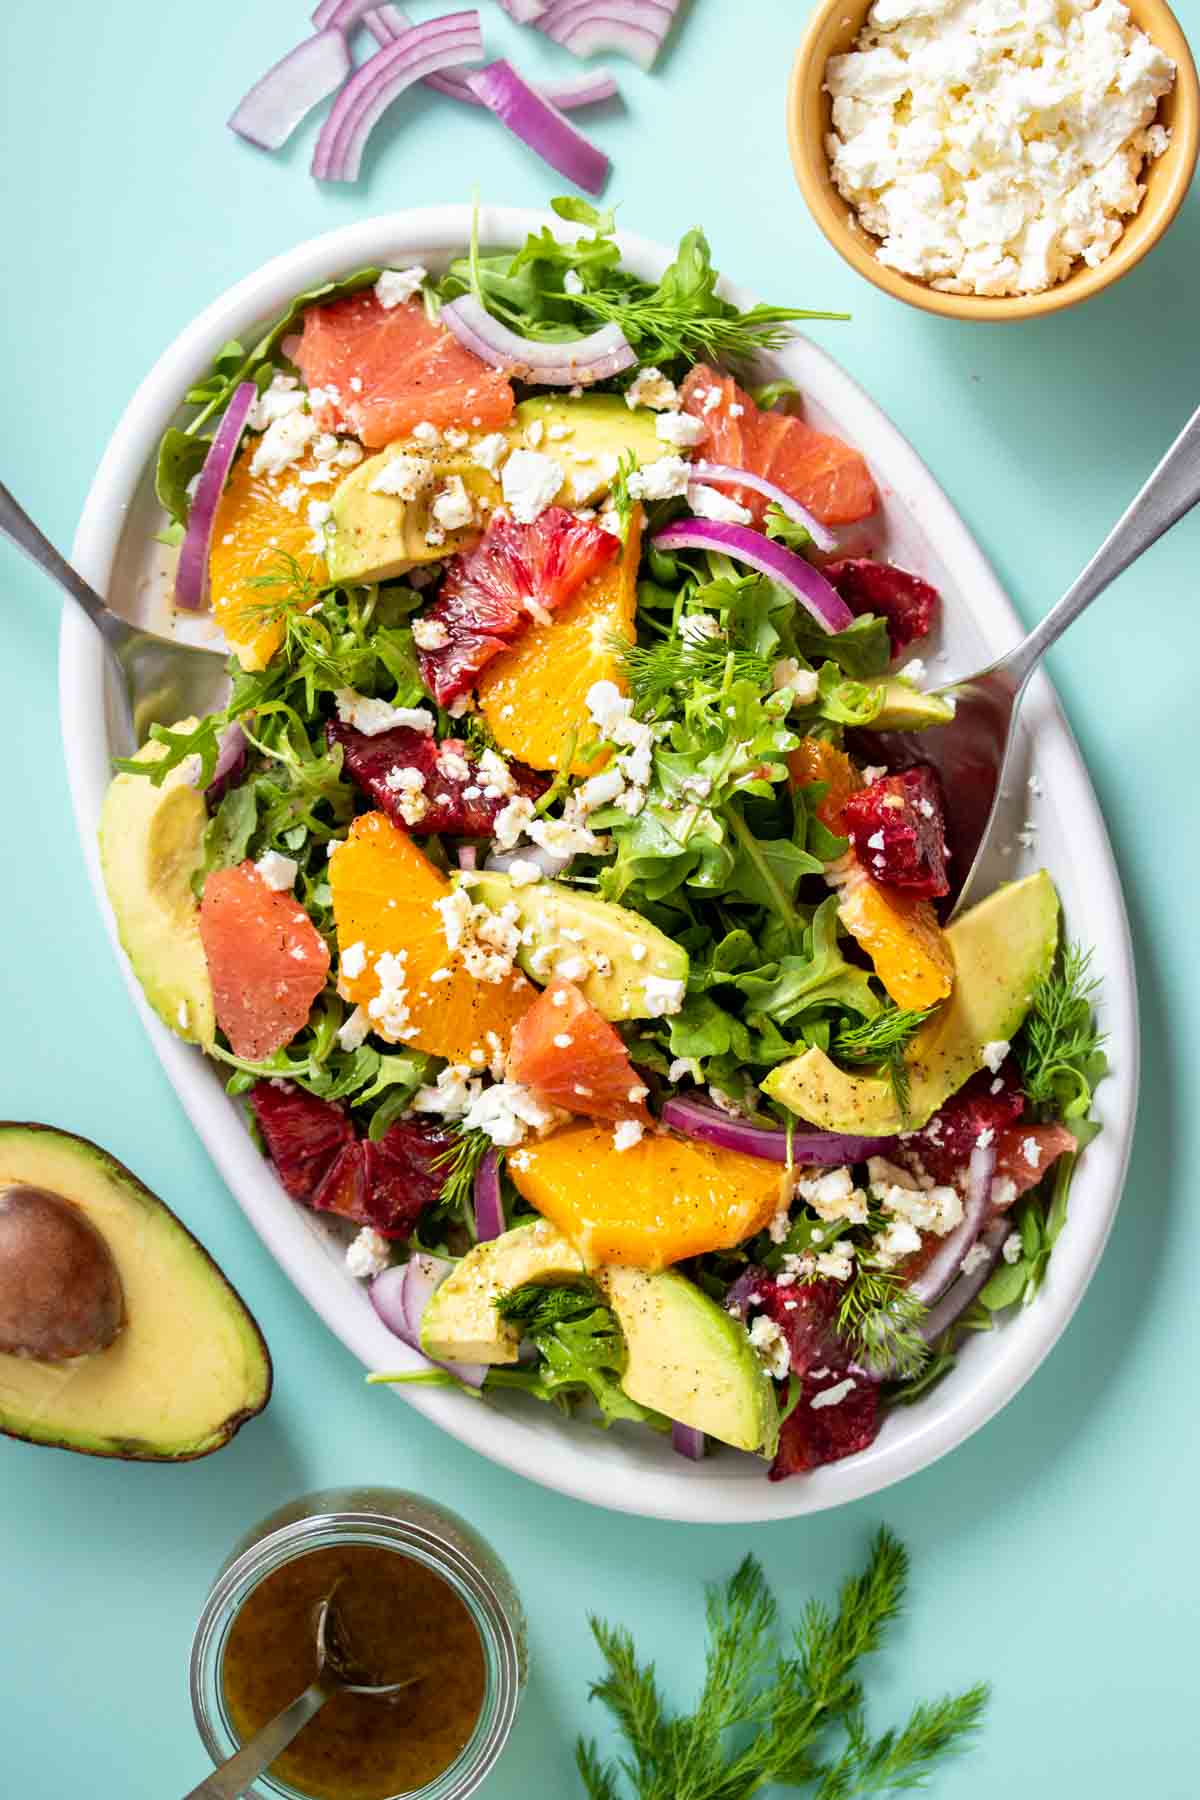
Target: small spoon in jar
(336, 1674)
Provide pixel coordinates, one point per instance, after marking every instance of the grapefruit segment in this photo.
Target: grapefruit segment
(394, 951)
(1025, 1152)
(819, 471)
(647, 1207)
(263, 521)
(574, 1059)
(490, 595)
(384, 370)
(534, 695)
(266, 960)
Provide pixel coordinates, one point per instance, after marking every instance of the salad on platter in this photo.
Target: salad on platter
(545, 888)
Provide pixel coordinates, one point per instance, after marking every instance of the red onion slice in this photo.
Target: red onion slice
(636, 28)
(687, 1441)
(489, 1208)
(721, 475)
(780, 564)
(401, 1294)
(231, 760)
(547, 132)
(269, 113)
(694, 1119)
(575, 364)
(191, 576)
(940, 1271)
(956, 1299)
(524, 11)
(386, 23)
(341, 15)
(438, 44)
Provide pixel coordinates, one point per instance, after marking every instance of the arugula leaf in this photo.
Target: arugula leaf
(781, 1708)
(581, 1351)
(862, 650)
(180, 459)
(786, 990)
(784, 529)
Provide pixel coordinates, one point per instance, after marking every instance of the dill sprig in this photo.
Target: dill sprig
(658, 674)
(1060, 1048)
(781, 1706)
(291, 584)
(461, 1164)
(879, 1317)
(884, 1040)
(676, 328)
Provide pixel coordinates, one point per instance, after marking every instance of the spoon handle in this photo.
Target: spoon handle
(235, 1776)
(1172, 490)
(17, 526)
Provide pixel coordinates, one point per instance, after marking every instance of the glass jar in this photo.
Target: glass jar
(387, 1519)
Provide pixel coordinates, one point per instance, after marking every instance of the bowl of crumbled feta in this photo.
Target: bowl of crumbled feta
(993, 159)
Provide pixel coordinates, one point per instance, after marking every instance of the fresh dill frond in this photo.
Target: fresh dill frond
(620, 499)
(782, 1706)
(658, 674)
(1060, 1046)
(461, 1164)
(656, 322)
(291, 586)
(538, 1307)
(880, 1317)
(883, 1039)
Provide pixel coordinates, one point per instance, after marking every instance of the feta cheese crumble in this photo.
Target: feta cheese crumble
(368, 1254)
(771, 1347)
(403, 475)
(395, 286)
(627, 1133)
(650, 387)
(680, 429)
(508, 1112)
(530, 482)
(709, 503)
(279, 872)
(990, 144)
(664, 479)
(283, 443)
(372, 717)
(992, 1055)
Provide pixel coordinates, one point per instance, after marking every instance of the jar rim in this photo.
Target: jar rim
(503, 1673)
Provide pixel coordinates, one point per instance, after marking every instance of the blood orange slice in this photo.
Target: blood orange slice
(266, 960)
(386, 369)
(573, 1058)
(818, 470)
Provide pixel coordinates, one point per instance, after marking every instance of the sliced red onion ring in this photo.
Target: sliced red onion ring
(440, 43)
(191, 576)
(636, 28)
(341, 15)
(940, 1271)
(575, 364)
(489, 1208)
(695, 1119)
(801, 580)
(687, 1441)
(547, 132)
(386, 23)
(745, 1289)
(524, 11)
(550, 862)
(721, 475)
(401, 1294)
(468, 855)
(274, 106)
(956, 1299)
(231, 760)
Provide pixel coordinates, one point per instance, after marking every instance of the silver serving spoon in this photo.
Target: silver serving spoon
(973, 752)
(159, 679)
(336, 1674)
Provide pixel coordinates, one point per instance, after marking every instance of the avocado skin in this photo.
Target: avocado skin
(690, 1360)
(1002, 949)
(24, 1146)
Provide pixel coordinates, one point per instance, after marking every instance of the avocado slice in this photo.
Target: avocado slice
(188, 1365)
(588, 436)
(377, 536)
(1002, 948)
(906, 708)
(689, 1359)
(151, 844)
(564, 925)
(460, 1322)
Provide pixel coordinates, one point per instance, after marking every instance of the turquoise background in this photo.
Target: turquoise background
(1055, 1552)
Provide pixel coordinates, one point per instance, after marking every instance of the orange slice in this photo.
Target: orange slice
(901, 935)
(384, 894)
(648, 1207)
(534, 695)
(816, 760)
(255, 531)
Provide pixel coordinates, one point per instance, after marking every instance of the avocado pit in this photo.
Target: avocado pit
(60, 1290)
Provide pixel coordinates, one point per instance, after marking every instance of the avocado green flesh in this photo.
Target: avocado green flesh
(189, 1365)
(377, 537)
(565, 925)
(1002, 948)
(151, 844)
(460, 1322)
(588, 436)
(906, 708)
(690, 1360)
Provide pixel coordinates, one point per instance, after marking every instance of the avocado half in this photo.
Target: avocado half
(189, 1364)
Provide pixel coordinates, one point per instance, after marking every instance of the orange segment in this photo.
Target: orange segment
(901, 935)
(255, 529)
(535, 694)
(665, 1199)
(815, 760)
(384, 895)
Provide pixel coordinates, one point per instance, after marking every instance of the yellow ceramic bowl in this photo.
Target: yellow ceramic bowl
(833, 29)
